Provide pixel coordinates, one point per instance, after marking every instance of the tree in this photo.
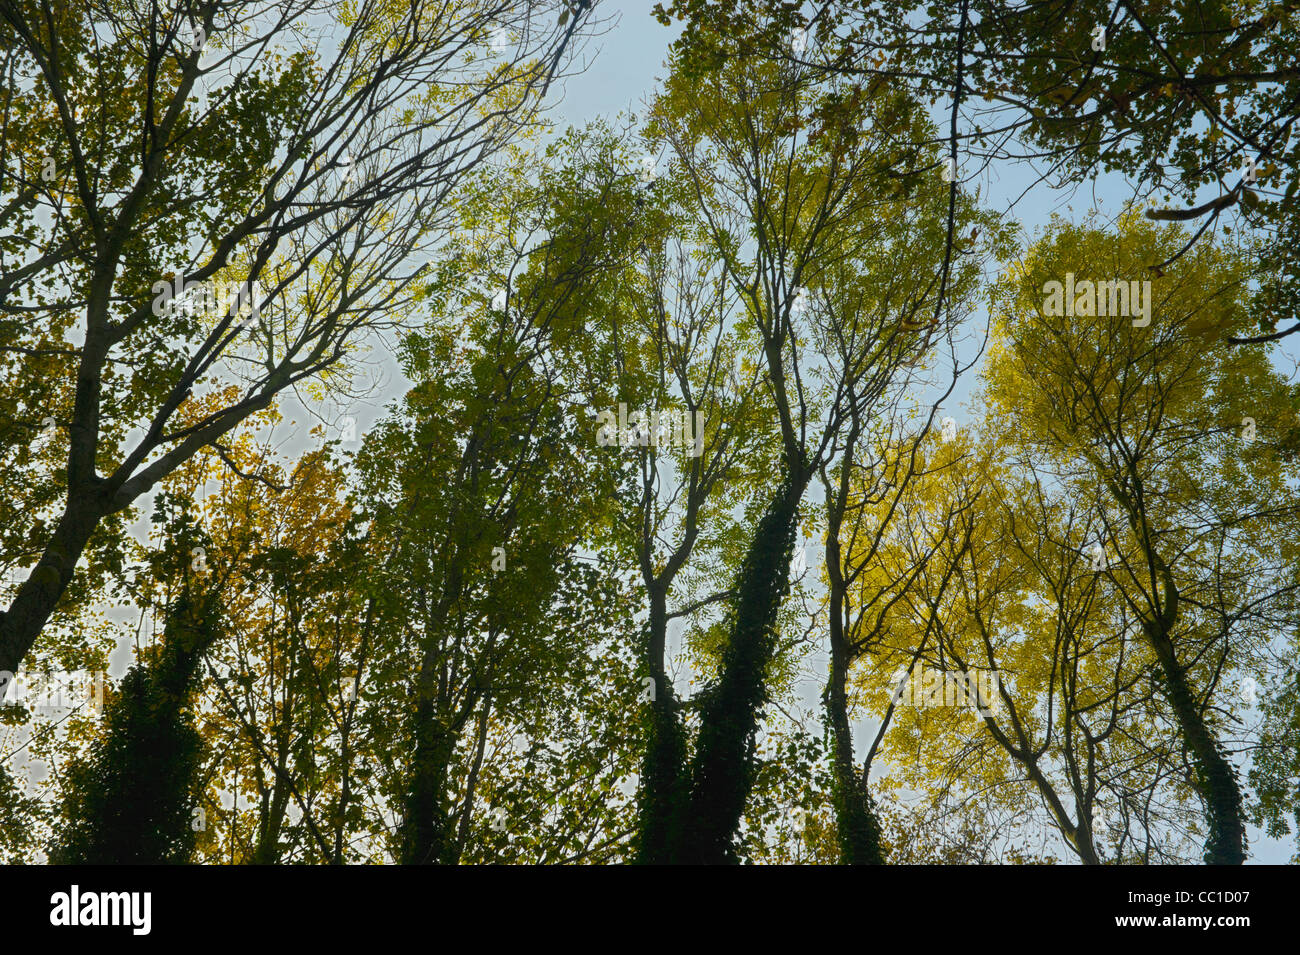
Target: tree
(1003, 656)
(1193, 102)
(132, 797)
(784, 179)
(278, 701)
(239, 148)
(1143, 408)
(485, 487)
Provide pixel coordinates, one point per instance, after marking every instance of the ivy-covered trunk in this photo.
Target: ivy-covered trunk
(722, 771)
(858, 830)
(426, 833)
(663, 773)
(132, 800)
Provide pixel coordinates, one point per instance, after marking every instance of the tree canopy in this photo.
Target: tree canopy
(755, 478)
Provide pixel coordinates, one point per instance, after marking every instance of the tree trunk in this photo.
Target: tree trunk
(858, 829)
(1225, 843)
(427, 824)
(40, 593)
(130, 801)
(267, 850)
(663, 774)
(722, 771)
(1216, 780)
